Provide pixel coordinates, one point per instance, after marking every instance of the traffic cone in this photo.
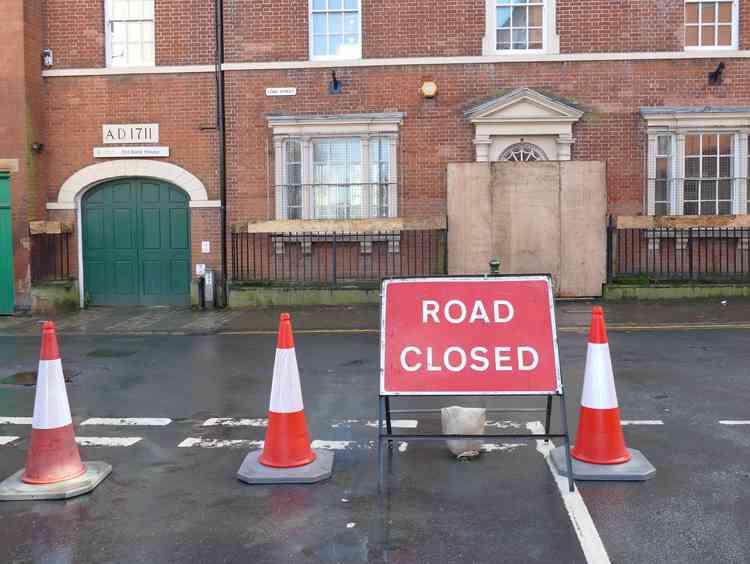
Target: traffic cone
(600, 452)
(53, 464)
(286, 456)
(599, 439)
(287, 442)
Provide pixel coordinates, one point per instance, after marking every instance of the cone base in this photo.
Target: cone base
(253, 472)
(637, 469)
(14, 489)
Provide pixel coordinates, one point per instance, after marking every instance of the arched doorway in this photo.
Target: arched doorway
(136, 243)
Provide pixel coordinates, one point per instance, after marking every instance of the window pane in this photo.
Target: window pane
(725, 12)
(725, 167)
(535, 39)
(691, 13)
(692, 167)
(319, 4)
(336, 23)
(725, 189)
(708, 12)
(708, 35)
(351, 5)
(708, 208)
(725, 144)
(519, 17)
(319, 23)
(710, 146)
(708, 190)
(662, 166)
(709, 167)
(725, 208)
(692, 36)
(320, 45)
(519, 38)
(661, 190)
(692, 144)
(503, 17)
(725, 35)
(334, 4)
(661, 209)
(664, 144)
(535, 16)
(691, 190)
(351, 23)
(691, 208)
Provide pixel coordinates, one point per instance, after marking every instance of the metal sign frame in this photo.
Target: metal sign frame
(385, 430)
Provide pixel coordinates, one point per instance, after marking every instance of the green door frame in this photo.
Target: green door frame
(6, 246)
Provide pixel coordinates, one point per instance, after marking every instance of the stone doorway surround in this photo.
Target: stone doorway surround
(523, 115)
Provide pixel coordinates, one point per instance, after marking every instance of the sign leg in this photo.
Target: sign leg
(380, 445)
(568, 460)
(548, 418)
(388, 419)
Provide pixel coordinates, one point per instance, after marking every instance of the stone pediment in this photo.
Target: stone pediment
(523, 105)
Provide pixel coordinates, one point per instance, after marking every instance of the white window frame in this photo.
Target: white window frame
(108, 11)
(735, 29)
(676, 179)
(310, 36)
(310, 129)
(550, 38)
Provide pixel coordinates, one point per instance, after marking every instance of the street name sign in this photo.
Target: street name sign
(469, 336)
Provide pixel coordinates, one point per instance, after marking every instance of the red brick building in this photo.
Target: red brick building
(347, 109)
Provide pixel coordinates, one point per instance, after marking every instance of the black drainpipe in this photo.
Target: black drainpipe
(221, 127)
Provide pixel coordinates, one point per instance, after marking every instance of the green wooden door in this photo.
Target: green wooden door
(6, 247)
(136, 244)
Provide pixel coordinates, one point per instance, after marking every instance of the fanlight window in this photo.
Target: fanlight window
(523, 153)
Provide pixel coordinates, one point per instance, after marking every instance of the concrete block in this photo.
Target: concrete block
(638, 469)
(253, 472)
(458, 420)
(13, 489)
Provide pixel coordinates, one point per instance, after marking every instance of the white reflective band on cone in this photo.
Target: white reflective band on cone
(599, 382)
(286, 394)
(51, 409)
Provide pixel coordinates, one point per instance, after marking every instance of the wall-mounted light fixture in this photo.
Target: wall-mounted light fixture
(37, 147)
(429, 89)
(715, 77)
(48, 58)
(334, 87)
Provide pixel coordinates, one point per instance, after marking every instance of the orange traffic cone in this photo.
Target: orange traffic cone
(53, 455)
(286, 456)
(287, 442)
(599, 439)
(600, 452)
(53, 464)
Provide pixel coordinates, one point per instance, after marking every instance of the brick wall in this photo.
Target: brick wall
(271, 30)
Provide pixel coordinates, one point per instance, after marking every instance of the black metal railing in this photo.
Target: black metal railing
(51, 257)
(668, 253)
(334, 258)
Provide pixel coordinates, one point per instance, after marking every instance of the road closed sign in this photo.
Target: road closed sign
(469, 336)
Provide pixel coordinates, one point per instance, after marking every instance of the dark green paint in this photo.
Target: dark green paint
(136, 244)
(6, 247)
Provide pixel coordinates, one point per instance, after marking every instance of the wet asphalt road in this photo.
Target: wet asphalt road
(166, 504)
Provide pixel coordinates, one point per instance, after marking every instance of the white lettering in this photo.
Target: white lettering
(479, 355)
(497, 304)
(447, 359)
(430, 366)
(461, 309)
(404, 365)
(522, 366)
(430, 308)
(501, 358)
(479, 313)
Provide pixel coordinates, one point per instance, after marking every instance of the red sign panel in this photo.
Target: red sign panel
(471, 336)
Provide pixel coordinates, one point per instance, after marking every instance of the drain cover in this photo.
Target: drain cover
(29, 378)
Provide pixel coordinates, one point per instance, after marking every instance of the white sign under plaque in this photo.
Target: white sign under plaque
(125, 152)
(130, 133)
(287, 91)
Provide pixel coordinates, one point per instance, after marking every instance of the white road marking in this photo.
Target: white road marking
(234, 422)
(16, 420)
(503, 424)
(351, 525)
(580, 518)
(344, 423)
(402, 446)
(734, 422)
(128, 421)
(333, 445)
(7, 440)
(108, 441)
(219, 443)
(397, 424)
(642, 422)
(495, 447)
